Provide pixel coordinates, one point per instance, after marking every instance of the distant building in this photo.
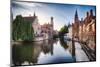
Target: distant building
(89, 26)
(55, 32)
(85, 29)
(34, 20)
(36, 26)
(45, 30)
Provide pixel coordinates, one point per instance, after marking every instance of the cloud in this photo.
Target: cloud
(25, 5)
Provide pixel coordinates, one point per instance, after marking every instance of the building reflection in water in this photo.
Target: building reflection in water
(70, 45)
(30, 53)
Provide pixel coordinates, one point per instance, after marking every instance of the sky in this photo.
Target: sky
(63, 14)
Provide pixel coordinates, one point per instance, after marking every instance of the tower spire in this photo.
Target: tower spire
(76, 16)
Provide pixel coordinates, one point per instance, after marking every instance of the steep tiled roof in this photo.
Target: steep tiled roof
(29, 18)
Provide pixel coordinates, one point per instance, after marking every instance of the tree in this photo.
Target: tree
(64, 30)
(22, 29)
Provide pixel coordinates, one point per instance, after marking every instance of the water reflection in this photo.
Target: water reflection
(43, 52)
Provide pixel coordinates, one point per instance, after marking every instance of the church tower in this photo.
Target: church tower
(35, 18)
(76, 25)
(52, 28)
(36, 25)
(76, 17)
(52, 23)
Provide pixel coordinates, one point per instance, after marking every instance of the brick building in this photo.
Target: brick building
(85, 29)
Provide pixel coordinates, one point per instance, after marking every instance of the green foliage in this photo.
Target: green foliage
(22, 29)
(63, 30)
(22, 53)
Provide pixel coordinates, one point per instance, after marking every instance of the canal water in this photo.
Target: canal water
(47, 52)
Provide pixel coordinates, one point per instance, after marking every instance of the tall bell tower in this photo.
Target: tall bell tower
(52, 27)
(52, 22)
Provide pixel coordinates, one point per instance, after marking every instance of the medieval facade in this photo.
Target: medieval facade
(45, 30)
(84, 30)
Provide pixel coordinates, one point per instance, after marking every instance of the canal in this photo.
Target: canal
(47, 52)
